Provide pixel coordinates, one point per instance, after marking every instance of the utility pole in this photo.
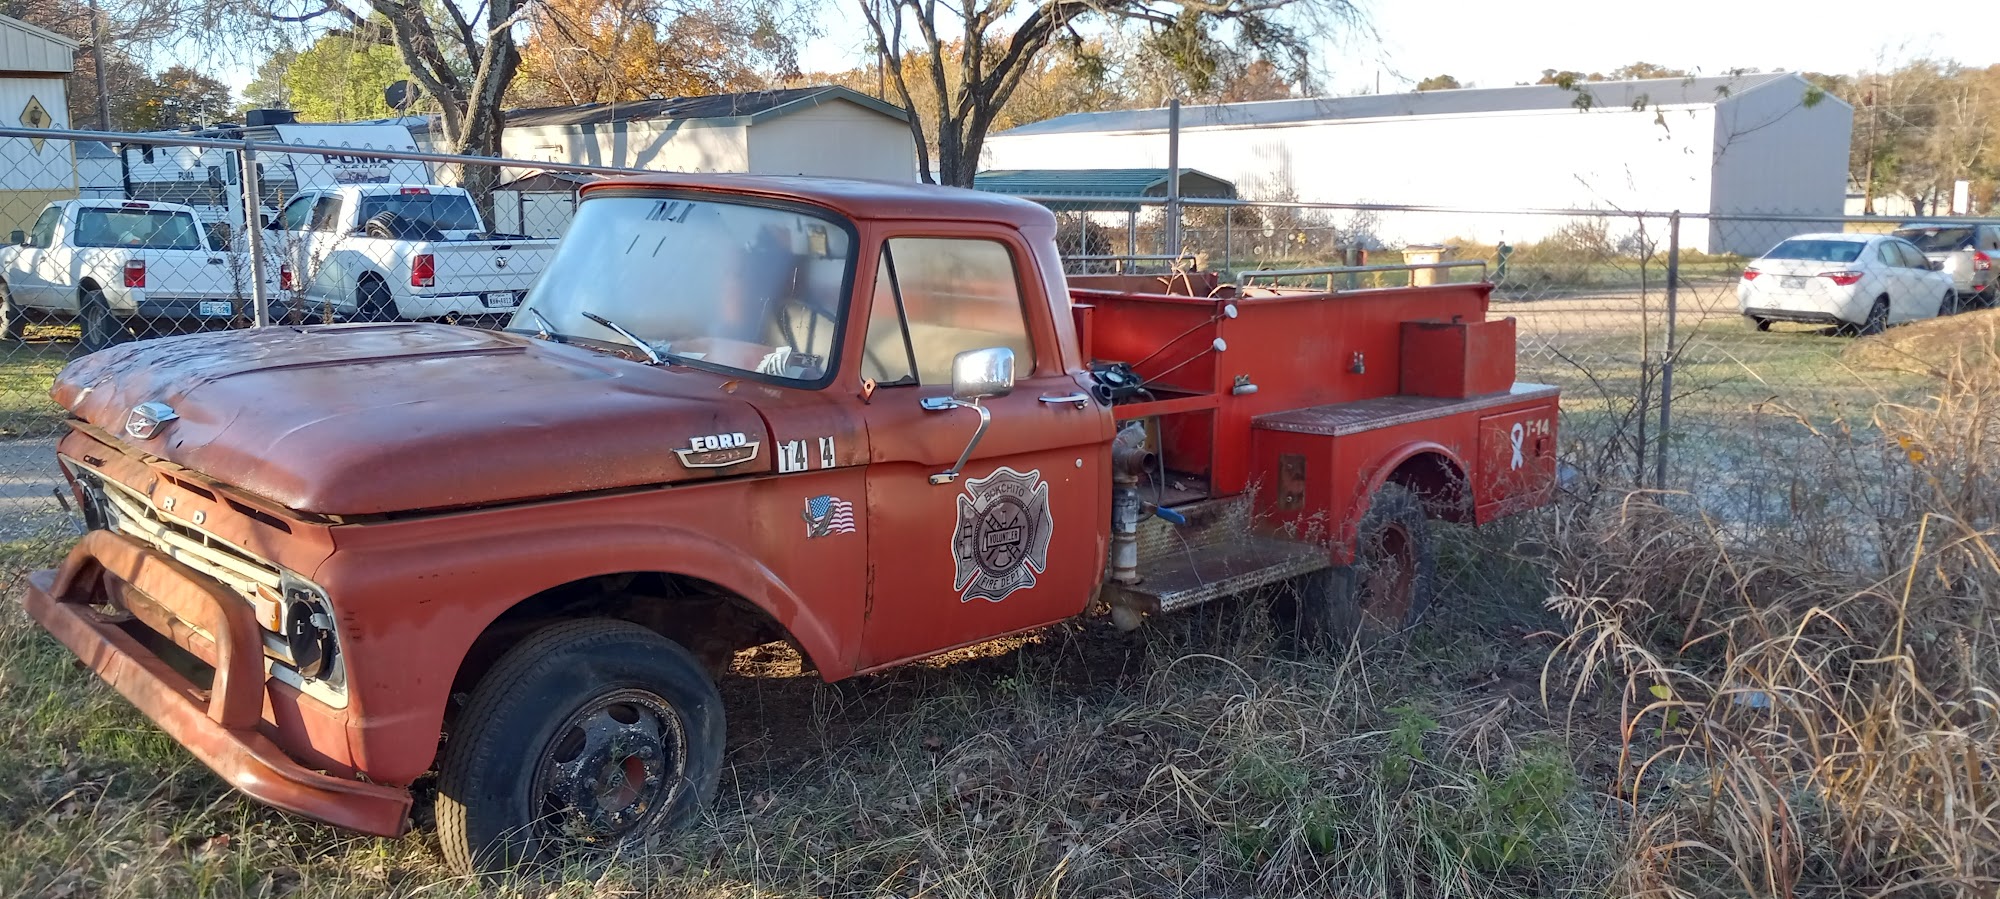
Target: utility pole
(1174, 178)
(97, 62)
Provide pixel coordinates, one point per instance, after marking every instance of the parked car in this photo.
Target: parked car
(1967, 252)
(116, 267)
(873, 420)
(1859, 283)
(383, 252)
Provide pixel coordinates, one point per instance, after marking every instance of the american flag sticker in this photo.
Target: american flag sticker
(827, 514)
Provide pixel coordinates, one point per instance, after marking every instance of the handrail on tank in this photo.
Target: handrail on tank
(1243, 279)
(1120, 260)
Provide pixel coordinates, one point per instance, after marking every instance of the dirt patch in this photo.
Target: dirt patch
(1930, 347)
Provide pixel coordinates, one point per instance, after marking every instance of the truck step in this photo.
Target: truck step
(1216, 554)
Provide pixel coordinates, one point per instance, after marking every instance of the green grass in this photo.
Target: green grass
(27, 369)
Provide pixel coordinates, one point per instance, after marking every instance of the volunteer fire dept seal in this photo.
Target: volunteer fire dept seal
(1002, 539)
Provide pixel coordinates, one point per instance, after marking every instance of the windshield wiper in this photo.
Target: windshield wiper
(548, 331)
(652, 358)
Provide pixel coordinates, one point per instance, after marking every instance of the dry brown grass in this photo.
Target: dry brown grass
(1798, 720)
(1806, 707)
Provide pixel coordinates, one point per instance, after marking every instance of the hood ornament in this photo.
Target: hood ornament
(146, 419)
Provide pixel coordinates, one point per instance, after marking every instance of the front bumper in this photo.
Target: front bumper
(219, 726)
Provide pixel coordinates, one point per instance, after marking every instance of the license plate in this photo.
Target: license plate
(502, 299)
(216, 309)
(1792, 282)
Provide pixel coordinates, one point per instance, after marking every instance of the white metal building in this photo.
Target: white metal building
(1761, 143)
(34, 71)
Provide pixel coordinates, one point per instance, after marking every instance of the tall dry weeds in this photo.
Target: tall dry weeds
(1810, 708)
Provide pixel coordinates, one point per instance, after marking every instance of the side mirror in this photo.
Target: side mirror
(17, 238)
(975, 375)
(273, 225)
(1937, 265)
(978, 374)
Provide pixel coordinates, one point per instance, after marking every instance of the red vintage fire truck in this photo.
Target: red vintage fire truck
(873, 421)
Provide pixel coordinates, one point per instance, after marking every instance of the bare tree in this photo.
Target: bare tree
(974, 54)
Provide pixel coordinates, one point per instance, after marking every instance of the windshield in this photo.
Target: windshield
(1938, 240)
(153, 229)
(717, 284)
(444, 212)
(1817, 250)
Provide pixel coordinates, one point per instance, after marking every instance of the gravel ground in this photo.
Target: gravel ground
(28, 477)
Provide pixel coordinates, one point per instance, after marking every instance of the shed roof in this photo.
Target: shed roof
(745, 108)
(28, 48)
(1099, 183)
(1469, 101)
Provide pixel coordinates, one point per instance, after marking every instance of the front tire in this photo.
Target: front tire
(593, 733)
(1759, 325)
(13, 324)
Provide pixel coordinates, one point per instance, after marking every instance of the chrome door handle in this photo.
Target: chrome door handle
(1082, 400)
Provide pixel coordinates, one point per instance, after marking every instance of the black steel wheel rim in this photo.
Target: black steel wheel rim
(611, 769)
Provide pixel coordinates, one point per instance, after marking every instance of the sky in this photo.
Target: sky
(1491, 44)
(1499, 44)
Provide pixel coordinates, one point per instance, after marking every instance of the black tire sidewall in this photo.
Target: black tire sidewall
(12, 324)
(372, 302)
(1324, 608)
(1874, 324)
(488, 766)
(98, 327)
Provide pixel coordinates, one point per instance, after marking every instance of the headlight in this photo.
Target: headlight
(309, 632)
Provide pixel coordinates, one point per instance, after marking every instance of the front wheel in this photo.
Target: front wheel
(593, 733)
(13, 324)
(1757, 324)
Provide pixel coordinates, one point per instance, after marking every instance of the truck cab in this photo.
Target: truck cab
(873, 421)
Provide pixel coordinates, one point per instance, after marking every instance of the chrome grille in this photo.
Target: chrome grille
(128, 512)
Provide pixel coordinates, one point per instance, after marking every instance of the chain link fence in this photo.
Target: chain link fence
(1667, 383)
(1634, 314)
(114, 238)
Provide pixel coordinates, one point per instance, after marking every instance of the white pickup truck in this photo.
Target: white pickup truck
(382, 252)
(119, 267)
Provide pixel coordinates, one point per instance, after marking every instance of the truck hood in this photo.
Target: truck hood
(368, 419)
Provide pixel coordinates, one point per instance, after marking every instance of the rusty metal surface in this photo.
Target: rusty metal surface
(219, 727)
(1217, 553)
(1217, 570)
(1343, 419)
(364, 419)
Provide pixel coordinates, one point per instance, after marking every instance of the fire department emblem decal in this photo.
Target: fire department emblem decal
(1002, 539)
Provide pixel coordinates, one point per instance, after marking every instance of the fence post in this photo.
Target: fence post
(1667, 350)
(1228, 260)
(253, 234)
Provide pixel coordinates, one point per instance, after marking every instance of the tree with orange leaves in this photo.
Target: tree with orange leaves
(607, 51)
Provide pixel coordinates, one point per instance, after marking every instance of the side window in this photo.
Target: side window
(885, 357)
(294, 216)
(45, 228)
(1913, 257)
(955, 295)
(1886, 251)
(326, 214)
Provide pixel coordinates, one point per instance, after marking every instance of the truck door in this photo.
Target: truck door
(1016, 539)
(26, 279)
